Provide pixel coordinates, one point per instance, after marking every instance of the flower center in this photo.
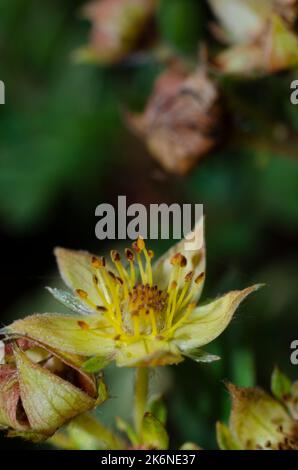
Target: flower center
(134, 306)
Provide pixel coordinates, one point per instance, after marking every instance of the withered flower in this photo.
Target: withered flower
(182, 120)
(117, 28)
(41, 389)
(259, 421)
(261, 35)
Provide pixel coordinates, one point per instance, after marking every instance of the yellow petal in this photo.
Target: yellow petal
(207, 322)
(65, 333)
(225, 439)
(257, 420)
(147, 353)
(196, 260)
(48, 400)
(76, 271)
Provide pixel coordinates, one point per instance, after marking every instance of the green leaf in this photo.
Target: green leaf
(158, 408)
(95, 364)
(153, 433)
(128, 430)
(174, 15)
(280, 384)
(103, 393)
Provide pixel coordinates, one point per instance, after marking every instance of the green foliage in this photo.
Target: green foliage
(181, 23)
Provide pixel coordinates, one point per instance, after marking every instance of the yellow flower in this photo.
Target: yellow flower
(137, 313)
(42, 389)
(259, 421)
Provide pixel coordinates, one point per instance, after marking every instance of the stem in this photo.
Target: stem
(93, 427)
(141, 396)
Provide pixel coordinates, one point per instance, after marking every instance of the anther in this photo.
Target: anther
(135, 247)
(115, 255)
(140, 243)
(101, 308)
(189, 276)
(112, 275)
(98, 262)
(83, 325)
(129, 255)
(179, 260)
(199, 278)
(81, 293)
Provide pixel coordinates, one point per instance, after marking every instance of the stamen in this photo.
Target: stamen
(183, 319)
(99, 291)
(199, 279)
(136, 323)
(100, 308)
(140, 243)
(130, 258)
(173, 304)
(179, 260)
(148, 265)
(171, 292)
(108, 306)
(84, 295)
(99, 264)
(81, 293)
(137, 247)
(153, 322)
(83, 325)
(121, 270)
(188, 278)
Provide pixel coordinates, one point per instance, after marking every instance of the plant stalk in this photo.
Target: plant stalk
(141, 396)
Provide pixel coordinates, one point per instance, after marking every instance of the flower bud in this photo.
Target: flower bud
(41, 390)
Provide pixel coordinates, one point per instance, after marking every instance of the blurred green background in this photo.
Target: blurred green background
(64, 149)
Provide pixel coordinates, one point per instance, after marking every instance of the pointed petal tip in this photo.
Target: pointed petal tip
(232, 389)
(60, 251)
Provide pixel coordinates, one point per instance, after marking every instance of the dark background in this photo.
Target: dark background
(64, 149)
